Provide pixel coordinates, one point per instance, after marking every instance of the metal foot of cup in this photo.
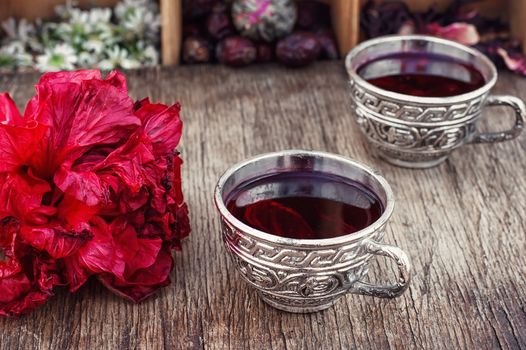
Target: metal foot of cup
(289, 307)
(413, 164)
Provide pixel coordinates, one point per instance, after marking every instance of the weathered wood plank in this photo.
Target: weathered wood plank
(463, 224)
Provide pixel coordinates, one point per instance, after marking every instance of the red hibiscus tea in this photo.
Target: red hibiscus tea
(304, 205)
(422, 74)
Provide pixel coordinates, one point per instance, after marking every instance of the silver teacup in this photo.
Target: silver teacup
(307, 275)
(421, 132)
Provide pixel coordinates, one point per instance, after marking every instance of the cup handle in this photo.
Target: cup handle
(404, 269)
(520, 112)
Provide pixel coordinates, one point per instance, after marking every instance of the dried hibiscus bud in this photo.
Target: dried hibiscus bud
(197, 8)
(327, 41)
(196, 50)
(236, 51)
(219, 23)
(313, 15)
(385, 18)
(298, 49)
(192, 29)
(265, 52)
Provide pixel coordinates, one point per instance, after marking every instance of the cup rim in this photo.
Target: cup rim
(417, 99)
(286, 241)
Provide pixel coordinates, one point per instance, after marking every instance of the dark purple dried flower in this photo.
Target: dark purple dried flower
(329, 49)
(219, 23)
(313, 15)
(236, 51)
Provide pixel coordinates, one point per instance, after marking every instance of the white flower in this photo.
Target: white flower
(18, 53)
(106, 33)
(14, 55)
(151, 56)
(87, 60)
(140, 17)
(94, 44)
(123, 7)
(22, 31)
(99, 16)
(57, 58)
(118, 58)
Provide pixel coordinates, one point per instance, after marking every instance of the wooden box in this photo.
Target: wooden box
(345, 17)
(170, 19)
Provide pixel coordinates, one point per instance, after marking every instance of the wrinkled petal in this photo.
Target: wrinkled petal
(76, 77)
(85, 186)
(181, 224)
(144, 282)
(9, 113)
(98, 255)
(118, 80)
(127, 161)
(463, 33)
(56, 240)
(515, 63)
(73, 213)
(79, 116)
(21, 195)
(26, 281)
(9, 264)
(138, 252)
(24, 292)
(17, 144)
(162, 124)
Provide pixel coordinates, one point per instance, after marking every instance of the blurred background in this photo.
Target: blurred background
(50, 35)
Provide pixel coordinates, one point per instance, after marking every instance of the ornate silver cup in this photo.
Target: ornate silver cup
(307, 275)
(421, 132)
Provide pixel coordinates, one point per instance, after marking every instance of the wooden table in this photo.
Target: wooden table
(463, 224)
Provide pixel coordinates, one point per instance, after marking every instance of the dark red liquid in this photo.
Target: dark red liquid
(305, 205)
(423, 75)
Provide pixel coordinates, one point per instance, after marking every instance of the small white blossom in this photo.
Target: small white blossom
(140, 17)
(14, 54)
(87, 60)
(99, 15)
(118, 58)
(94, 44)
(22, 31)
(151, 56)
(60, 57)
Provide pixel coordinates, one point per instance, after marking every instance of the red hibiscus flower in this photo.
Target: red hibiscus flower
(93, 182)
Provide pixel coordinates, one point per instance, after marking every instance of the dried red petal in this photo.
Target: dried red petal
(9, 263)
(162, 124)
(9, 113)
(463, 33)
(98, 255)
(515, 62)
(26, 281)
(142, 283)
(17, 144)
(102, 114)
(21, 195)
(55, 240)
(85, 186)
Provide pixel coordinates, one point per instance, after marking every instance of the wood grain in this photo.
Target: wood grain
(171, 34)
(462, 223)
(31, 9)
